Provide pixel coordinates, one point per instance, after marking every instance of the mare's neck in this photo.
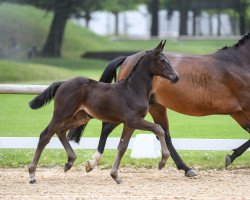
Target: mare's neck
(140, 80)
(238, 53)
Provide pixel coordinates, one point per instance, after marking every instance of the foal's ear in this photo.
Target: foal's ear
(160, 47)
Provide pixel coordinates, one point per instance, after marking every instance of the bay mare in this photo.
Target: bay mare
(217, 83)
(80, 99)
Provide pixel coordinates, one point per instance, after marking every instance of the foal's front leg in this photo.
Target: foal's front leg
(140, 123)
(126, 135)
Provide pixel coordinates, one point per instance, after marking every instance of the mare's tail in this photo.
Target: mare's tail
(46, 96)
(110, 72)
(107, 76)
(76, 133)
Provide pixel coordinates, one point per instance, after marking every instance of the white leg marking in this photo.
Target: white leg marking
(96, 157)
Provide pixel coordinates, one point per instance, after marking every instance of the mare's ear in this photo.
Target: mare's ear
(160, 47)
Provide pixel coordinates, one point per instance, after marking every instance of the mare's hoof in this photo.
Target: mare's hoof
(32, 181)
(88, 167)
(191, 173)
(228, 161)
(161, 164)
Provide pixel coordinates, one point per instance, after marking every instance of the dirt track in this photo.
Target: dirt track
(169, 183)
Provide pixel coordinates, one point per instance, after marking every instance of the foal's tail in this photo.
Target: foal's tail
(107, 76)
(110, 72)
(46, 96)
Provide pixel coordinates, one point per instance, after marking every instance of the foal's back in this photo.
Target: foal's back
(99, 100)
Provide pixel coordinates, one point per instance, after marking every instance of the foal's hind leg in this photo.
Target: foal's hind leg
(44, 139)
(71, 154)
(126, 135)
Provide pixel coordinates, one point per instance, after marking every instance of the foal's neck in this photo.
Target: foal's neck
(140, 78)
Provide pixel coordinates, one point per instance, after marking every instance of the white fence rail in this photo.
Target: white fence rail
(21, 89)
(91, 143)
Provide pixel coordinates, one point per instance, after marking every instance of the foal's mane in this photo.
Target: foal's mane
(132, 71)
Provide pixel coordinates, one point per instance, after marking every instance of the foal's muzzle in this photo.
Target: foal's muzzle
(175, 79)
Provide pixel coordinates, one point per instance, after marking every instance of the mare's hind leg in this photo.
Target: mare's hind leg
(236, 153)
(107, 128)
(44, 139)
(123, 144)
(243, 119)
(71, 154)
(158, 112)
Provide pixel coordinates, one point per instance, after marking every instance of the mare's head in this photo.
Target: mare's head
(160, 64)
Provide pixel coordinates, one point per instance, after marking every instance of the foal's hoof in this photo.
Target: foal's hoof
(118, 180)
(161, 164)
(228, 161)
(191, 173)
(32, 181)
(88, 167)
(66, 167)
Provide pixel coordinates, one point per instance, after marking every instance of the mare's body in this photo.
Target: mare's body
(217, 83)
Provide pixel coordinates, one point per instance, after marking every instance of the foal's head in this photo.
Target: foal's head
(160, 64)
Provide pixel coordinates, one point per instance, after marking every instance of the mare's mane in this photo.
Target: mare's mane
(230, 53)
(239, 43)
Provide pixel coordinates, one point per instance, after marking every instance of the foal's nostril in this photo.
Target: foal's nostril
(176, 79)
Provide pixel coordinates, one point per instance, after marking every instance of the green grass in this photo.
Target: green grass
(17, 119)
(196, 159)
(27, 72)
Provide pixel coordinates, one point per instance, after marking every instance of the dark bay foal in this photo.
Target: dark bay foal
(78, 100)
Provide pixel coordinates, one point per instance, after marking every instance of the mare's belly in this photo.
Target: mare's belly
(196, 101)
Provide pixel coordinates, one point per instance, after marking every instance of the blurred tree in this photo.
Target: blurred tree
(155, 22)
(88, 7)
(62, 10)
(117, 6)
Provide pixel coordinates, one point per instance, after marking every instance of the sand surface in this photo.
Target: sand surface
(169, 183)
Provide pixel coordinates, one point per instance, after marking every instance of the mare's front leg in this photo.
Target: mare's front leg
(107, 128)
(159, 115)
(140, 123)
(123, 144)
